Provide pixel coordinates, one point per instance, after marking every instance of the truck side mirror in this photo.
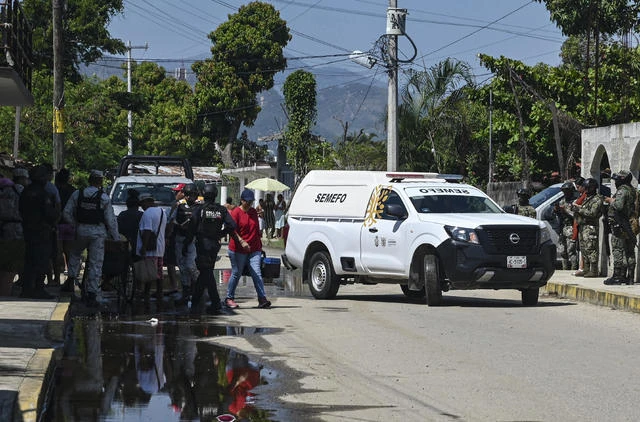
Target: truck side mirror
(395, 210)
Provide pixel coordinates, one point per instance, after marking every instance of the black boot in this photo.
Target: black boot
(616, 278)
(90, 300)
(592, 272)
(631, 274)
(68, 286)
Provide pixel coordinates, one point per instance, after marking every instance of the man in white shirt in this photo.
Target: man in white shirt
(152, 226)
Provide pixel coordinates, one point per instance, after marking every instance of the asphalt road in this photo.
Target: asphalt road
(372, 355)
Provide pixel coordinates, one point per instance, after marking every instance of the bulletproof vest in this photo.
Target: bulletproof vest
(183, 216)
(211, 220)
(88, 210)
(36, 207)
(9, 199)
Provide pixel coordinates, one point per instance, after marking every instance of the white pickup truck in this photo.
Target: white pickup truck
(419, 230)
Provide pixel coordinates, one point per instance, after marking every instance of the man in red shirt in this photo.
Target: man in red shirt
(247, 252)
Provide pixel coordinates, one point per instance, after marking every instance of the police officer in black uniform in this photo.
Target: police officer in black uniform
(209, 223)
(39, 216)
(185, 250)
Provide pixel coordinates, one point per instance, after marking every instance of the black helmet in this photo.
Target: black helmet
(524, 192)
(591, 185)
(39, 174)
(210, 192)
(567, 186)
(623, 176)
(190, 188)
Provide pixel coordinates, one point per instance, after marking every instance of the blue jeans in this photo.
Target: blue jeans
(238, 262)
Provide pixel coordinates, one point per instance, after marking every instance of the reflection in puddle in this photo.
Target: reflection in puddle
(134, 370)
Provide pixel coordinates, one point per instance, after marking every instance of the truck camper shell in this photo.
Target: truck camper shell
(425, 231)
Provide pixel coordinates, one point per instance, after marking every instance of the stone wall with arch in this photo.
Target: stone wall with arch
(621, 143)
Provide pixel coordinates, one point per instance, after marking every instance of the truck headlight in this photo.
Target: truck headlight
(545, 235)
(463, 234)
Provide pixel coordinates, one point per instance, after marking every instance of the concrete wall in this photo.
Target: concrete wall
(621, 143)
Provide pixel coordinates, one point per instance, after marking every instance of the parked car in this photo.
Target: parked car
(142, 173)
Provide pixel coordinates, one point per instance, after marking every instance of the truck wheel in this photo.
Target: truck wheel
(413, 294)
(323, 282)
(431, 275)
(530, 296)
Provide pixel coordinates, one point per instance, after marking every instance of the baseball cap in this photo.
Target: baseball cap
(96, 173)
(179, 187)
(247, 195)
(144, 196)
(20, 172)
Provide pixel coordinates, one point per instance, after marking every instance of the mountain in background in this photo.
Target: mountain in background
(343, 98)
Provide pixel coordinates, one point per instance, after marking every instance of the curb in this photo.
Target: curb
(626, 302)
(32, 396)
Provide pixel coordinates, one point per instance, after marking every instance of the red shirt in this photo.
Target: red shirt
(248, 229)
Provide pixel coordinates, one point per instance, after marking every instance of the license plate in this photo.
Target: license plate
(516, 262)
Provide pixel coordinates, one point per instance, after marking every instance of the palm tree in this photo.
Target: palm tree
(434, 116)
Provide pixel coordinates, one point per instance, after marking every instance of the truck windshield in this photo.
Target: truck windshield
(442, 204)
(162, 193)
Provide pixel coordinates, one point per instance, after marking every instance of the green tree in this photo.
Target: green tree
(247, 52)
(433, 118)
(85, 34)
(300, 104)
(361, 151)
(590, 20)
(165, 121)
(246, 151)
(95, 129)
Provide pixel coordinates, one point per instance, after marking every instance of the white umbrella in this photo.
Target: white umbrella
(267, 184)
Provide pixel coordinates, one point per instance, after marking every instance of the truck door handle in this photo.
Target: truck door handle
(373, 230)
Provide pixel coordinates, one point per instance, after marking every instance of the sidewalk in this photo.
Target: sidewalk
(592, 290)
(31, 332)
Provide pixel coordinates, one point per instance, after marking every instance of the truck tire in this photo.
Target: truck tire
(323, 282)
(413, 294)
(431, 274)
(530, 296)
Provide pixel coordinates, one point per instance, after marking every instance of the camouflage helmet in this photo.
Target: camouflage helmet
(523, 192)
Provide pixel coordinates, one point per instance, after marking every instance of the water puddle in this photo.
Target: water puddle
(145, 369)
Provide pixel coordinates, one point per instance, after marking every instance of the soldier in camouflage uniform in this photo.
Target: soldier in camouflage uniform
(523, 203)
(567, 247)
(623, 242)
(588, 215)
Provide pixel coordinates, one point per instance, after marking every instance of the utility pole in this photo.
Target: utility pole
(392, 97)
(58, 87)
(490, 135)
(130, 114)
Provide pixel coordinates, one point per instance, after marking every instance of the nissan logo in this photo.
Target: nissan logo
(514, 238)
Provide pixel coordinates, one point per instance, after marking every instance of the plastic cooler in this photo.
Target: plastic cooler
(271, 268)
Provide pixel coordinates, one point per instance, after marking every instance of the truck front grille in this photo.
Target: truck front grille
(512, 240)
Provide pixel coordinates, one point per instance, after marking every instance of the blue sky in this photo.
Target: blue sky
(176, 32)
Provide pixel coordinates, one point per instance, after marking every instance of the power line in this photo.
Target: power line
(478, 30)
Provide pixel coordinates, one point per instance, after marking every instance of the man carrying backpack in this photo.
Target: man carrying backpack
(209, 223)
(91, 211)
